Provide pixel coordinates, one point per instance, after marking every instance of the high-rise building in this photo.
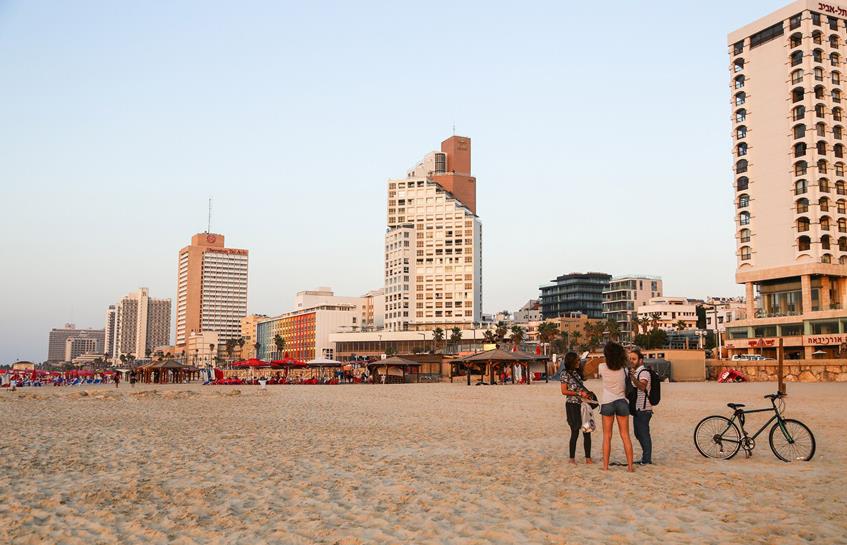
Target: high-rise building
(433, 247)
(59, 336)
(109, 336)
(575, 292)
(211, 289)
(787, 111)
(625, 295)
(77, 346)
(141, 324)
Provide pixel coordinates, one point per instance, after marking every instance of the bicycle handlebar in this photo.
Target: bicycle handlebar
(778, 395)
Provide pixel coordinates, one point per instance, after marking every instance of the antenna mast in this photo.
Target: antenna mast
(209, 224)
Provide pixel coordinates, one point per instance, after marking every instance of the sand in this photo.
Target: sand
(433, 463)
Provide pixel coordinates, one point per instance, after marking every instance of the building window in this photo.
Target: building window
(741, 132)
(820, 111)
(821, 147)
(738, 48)
(804, 244)
(842, 244)
(819, 93)
(823, 204)
(800, 168)
(796, 59)
(796, 40)
(799, 131)
(800, 187)
(820, 128)
(739, 98)
(742, 149)
(817, 55)
(796, 77)
(745, 253)
(836, 95)
(836, 78)
(744, 218)
(741, 166)
(742, 183)
(816, 20)
(799, 112)
(833, 25)
(826, 258)
(738, 64)
(818, 74)
(766, 35)
(839, 188)
(836, 114)
(823, 185)
(799, 149)
(838, 149)
(743, 201)
(802, 225)
(821, 166)
(837, 132)
(841, 208)
(744, 235)
(825, 224)
(802, 206)
(794, 22)
(834, 59)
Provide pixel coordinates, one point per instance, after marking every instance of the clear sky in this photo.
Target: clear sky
(601, 142)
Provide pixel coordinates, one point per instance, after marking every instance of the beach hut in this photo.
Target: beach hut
(489, 360)
(322, 364)
(395, 366)
(167, 371)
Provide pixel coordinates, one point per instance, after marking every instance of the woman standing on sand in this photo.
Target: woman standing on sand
(615, 406)
(575, 390)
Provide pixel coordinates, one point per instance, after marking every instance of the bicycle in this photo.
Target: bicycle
(719, 437)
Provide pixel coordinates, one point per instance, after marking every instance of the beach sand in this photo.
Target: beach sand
(429, 463)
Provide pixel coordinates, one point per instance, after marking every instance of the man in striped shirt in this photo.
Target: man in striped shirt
(643, 409)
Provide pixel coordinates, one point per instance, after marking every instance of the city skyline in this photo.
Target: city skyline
(146, 130)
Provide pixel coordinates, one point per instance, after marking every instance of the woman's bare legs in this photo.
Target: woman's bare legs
(608, 421)
(623, 428)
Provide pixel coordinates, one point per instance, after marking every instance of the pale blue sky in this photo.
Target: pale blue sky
(601, 142)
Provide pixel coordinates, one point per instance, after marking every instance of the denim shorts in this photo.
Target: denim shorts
(618, 407)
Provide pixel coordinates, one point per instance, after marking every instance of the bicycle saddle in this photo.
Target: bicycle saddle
(735, 405)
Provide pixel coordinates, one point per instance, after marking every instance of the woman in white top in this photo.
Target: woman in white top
(614, 403)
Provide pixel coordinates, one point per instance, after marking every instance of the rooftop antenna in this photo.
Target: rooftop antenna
(454, 128)
(209, 224)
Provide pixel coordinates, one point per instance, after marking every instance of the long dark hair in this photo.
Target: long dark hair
(615, 356)
(572, 363)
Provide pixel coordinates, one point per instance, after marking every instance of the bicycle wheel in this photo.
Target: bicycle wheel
(717, 437)
(793, 444)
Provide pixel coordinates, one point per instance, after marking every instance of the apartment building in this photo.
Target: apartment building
(575, 292)
(625, 295)
(670, 313)
(433, 246)
(787, 110)
(371, 306)
(211, 288)
(58, 337)
(141, 323)
(306, 331)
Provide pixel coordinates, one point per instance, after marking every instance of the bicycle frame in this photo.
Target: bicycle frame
(739, 415)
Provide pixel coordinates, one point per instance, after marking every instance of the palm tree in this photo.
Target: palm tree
(575, 336)
(614, 329)
(240, 347)
(654, 320)
(257, 346)
(501, 331)
(517, 336)
(456, 336)
(279, 342)
(490, 337)
(123, 358)
(681, 325)
(230, 348)
(437, 337)
(547, 331)
(565, 334)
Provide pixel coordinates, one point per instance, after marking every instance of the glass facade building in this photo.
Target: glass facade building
(575, 292)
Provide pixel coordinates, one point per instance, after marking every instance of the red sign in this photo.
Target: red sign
(761, 342)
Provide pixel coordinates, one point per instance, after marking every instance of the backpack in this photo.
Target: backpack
(655, 392)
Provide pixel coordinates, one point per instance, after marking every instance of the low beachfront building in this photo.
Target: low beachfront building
(669, 313)
(306, 331)
(625, 295)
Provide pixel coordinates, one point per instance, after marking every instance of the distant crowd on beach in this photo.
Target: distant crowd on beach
(629, 389)
(36, 379)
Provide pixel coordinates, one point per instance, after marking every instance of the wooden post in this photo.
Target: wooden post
(779, 367)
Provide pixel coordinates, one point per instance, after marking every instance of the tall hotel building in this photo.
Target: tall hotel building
(211, 289)
(139, 323)
(433, 247)
(787, 103)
